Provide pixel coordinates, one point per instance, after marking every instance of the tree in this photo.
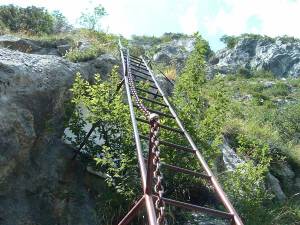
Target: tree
(31, 19)
(90, 18)
(60, 22)
(230, 41)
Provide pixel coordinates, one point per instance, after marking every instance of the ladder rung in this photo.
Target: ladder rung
(214, 212)
(155, 102)
(139, 66)
(170, 144)
(146, 74)
(149, 92)
(134, 57)
(186, 171)
(162, 126)
(159, 113)
(134, 60)
(144, 78)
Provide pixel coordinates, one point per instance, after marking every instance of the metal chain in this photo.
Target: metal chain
(154, 143)
(158, 187)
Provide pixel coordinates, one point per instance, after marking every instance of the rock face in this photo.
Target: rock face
(174, 52)
(280, 56)
(39, 183)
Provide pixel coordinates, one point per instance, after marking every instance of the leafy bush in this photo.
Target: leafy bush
(77, 55)
(31, 19)
(113, 154)
(230, 41)
(100, 43)
(278, 89)
(245, 186)
(171, 72)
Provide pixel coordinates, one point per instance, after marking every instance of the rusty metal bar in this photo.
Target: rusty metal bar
(149, 92)
(144, 78)
(150, 167)
(133, 57)
(133, 212)
(172, 145)
(193, 207)
(183, 170)
(155, 102)
(134, 60)
(157, 112)
(140, 67)
(221, 194)
(138, 71)
(162, 126)
(186, 171)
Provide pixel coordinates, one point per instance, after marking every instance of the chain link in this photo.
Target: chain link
(154, 143)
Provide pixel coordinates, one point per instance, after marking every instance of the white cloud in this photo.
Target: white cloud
(276, 17)
(189, 21)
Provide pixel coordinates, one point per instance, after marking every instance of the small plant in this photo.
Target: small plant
(90, 18)
(76, 55)
(171, 72)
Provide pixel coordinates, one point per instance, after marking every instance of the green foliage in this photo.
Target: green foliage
(230, 41)
(77, 55)
(243, 109)
(90, 19)
(100, 43)
(245, 186)
(32, 19)
(195, 104)
(105, 108)
(287, 121)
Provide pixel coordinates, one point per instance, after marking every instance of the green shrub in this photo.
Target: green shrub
(230, 41)
(32, 19)
(76, 55)
(246, 189)
(263, 74)
(244, 72)
(278, 89)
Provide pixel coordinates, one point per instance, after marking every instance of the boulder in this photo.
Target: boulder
(174, 52)
(57, 47)
(284, 173)
(63, 49)
(230, 159)
(19, 44)
(274, 185)
(39, 182)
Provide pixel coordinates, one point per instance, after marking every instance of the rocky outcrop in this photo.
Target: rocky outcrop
(280, 56)
(174, 52)
(39, 183)
(58, 47)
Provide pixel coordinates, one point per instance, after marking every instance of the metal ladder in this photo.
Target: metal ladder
(136, 69)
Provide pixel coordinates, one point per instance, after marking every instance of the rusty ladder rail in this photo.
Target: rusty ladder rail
(141, 69)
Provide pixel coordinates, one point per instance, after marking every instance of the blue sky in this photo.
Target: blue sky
(212, 18)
